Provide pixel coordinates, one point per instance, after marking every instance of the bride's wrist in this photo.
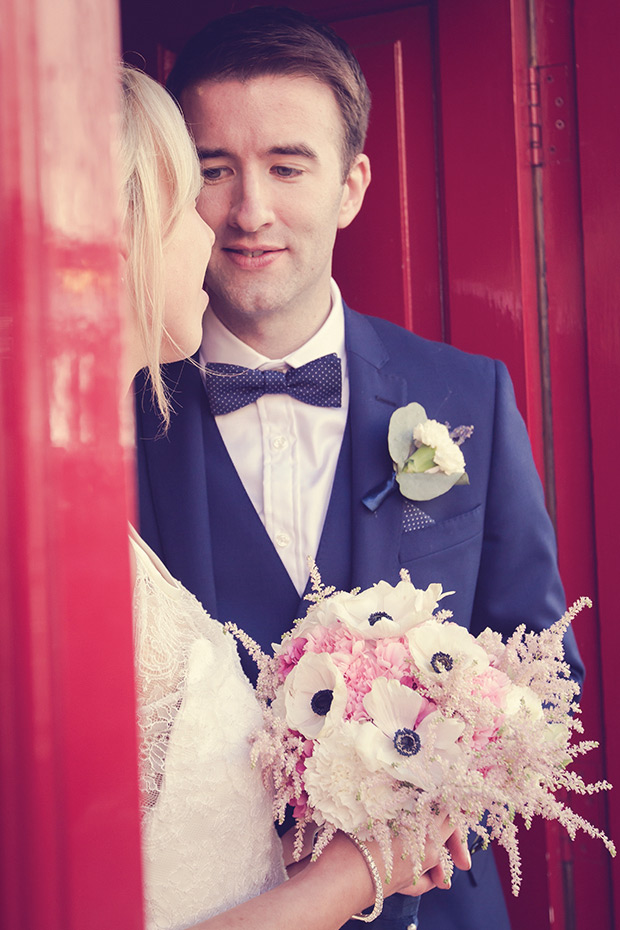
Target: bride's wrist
(343, 856)
(373, 868)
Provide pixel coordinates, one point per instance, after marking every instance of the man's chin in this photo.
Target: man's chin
(245, 308)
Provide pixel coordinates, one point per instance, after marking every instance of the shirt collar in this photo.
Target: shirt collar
(220, 345)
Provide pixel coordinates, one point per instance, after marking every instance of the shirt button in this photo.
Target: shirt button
(280, 442)
(283, 540)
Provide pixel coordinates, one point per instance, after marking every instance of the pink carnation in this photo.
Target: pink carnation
(493, 686)
(332, 639)
(394, 659)
(290, 656)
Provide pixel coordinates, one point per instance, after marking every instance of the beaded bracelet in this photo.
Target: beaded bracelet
(376, 878)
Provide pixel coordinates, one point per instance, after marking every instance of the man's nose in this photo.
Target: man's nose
(251, 208)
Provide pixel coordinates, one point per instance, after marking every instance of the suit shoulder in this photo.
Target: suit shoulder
(406, 349)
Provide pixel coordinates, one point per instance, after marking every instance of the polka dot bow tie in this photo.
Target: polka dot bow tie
(230, 387)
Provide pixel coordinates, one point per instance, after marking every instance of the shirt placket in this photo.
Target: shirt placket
(281, 480)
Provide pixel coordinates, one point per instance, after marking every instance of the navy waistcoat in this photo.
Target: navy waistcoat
(254, 590)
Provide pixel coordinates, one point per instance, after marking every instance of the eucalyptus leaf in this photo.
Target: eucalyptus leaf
(400, 433)
(425, 487)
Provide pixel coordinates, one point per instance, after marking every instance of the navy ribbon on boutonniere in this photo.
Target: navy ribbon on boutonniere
(375, 498)
(426, 456)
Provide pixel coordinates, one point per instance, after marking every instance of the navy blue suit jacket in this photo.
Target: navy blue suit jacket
(490, 541)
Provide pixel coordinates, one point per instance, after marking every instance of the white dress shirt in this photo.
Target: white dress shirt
(285, 451)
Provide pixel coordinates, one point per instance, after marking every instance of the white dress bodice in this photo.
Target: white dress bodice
(208, 836)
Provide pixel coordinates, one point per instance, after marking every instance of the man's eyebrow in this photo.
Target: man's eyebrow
(300, 149)
(212, 153)
(296, 149)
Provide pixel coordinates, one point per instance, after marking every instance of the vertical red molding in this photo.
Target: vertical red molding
(69, 853)
(490, 264)
(487, 190)
(597, 40)
(525, 156)
(401, 144)
(585, 866)
(395, 238)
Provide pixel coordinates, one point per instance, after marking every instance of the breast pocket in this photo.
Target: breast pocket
(424, 536)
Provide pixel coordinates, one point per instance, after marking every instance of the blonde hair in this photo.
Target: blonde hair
(156, 157)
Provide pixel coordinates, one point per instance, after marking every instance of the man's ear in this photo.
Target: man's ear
(354, 190)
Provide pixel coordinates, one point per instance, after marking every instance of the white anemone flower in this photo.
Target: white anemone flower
(381, 611)
(418, 753)
(315, 695)
(521, 698)
(437, 647)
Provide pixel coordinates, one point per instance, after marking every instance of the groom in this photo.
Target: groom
(243, 488)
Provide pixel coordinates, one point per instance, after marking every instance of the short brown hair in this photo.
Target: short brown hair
(270, 40)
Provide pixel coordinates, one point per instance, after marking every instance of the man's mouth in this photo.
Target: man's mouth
(250, 253)
(252, 259)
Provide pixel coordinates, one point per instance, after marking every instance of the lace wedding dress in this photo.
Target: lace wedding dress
(208, 836)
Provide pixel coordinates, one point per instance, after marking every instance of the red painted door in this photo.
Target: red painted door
(69, 847)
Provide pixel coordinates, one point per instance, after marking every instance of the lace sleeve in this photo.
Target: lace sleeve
(166, 624)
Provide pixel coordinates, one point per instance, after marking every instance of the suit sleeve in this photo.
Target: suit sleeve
(519, 579)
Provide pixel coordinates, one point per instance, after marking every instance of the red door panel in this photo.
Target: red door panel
(395, 239)
(69, 847)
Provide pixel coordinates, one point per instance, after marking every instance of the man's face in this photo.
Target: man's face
(270, 151)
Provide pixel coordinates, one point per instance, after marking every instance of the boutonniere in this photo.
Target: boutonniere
(426, 455)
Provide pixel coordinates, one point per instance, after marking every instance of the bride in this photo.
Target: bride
(211, 856)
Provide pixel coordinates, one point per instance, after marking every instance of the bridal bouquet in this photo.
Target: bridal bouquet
(381, 714)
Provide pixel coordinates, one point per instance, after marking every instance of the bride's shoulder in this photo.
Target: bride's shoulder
(157, 591)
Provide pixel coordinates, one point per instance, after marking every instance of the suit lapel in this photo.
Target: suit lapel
(174, 520)
(375, 394)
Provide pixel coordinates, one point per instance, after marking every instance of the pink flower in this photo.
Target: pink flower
(290, 655)
(491, 685)
(394, 659)
(336, 638)
(427, 707)
(300, 806)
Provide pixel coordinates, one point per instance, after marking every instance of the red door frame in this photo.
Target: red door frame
(514, 255)
(69, 853)
(597, 40)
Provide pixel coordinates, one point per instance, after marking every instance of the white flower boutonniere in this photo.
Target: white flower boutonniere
(426, 455)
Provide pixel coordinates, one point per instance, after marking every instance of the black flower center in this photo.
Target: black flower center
(321, 702)
(407, 742)
(379, 615)
(442, 662)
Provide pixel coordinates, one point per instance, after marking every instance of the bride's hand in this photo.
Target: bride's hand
(432, 872)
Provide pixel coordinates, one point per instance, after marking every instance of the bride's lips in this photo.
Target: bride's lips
(250, 259)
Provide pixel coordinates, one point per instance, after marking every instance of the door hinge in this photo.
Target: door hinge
(535, 143)
(551, 121)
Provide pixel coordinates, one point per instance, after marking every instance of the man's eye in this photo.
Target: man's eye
(284, 171)
(214, 174)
